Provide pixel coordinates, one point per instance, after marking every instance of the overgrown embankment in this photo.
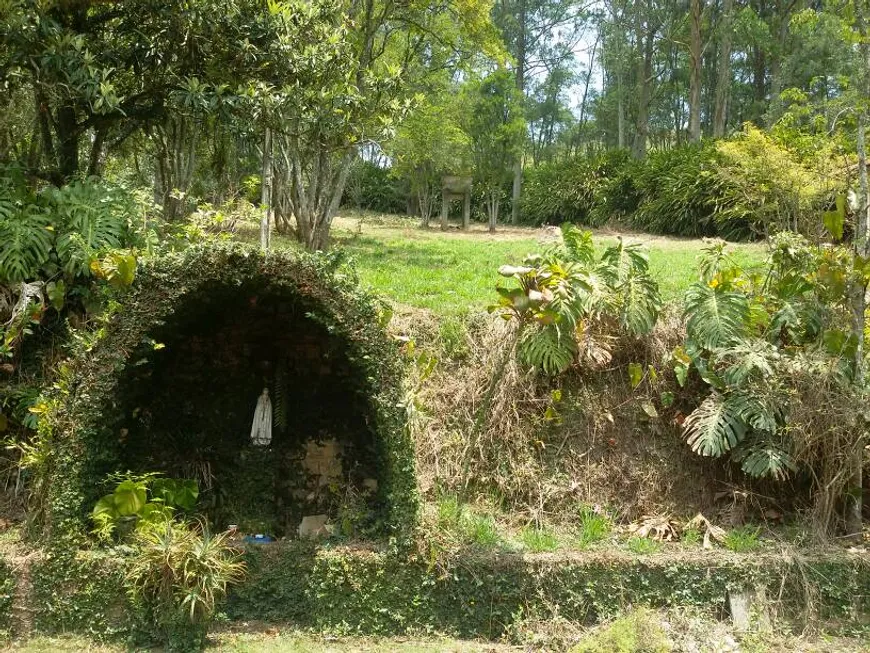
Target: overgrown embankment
(548, 447)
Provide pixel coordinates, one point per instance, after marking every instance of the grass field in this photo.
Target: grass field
(455, 272)
(273, 640)
(636, 631)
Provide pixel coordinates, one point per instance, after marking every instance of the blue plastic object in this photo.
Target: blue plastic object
(258, 539)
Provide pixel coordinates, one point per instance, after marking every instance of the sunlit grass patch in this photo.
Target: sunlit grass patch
(453, 273)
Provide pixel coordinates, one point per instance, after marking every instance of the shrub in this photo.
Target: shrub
(568, 293)
(140, 502)
(643, 545)
(770, 188)
(538, 540)
(742, 539)
(373, 187)
(62, 230)
(458, 522)
(638, 630)
(177, 576)
(681, 193)
(744, 187)
(569, 191)
(777, 358)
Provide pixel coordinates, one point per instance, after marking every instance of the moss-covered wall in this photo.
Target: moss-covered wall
(353, 590)
(482, 595)
(170, 383)
(7, 593)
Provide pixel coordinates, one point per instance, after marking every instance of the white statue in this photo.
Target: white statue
(261, 429)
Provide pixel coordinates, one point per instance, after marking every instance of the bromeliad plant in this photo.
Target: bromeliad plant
(777, 356)
(177, 576)
(568, 302)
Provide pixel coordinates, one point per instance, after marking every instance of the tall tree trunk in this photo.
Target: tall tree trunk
(68, 141)
(854, 498)
(644, 82)
(266, 189)
(759, 83)
(589, 68)
(620, 113)
(695, 72)
(44, 119)
(492, 206)
(95, 159)
(315, 185)
(783, 20)
(517, 189)
(723, 76)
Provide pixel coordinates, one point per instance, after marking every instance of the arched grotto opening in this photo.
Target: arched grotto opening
(173, 384)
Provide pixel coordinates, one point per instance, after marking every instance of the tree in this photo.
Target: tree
(695, 53)
(98, 72)
(531, 31)
(855, 502)
(723, 69)
(646, 25)
(429, 144)
(547, 111)
(496, 129)
(367, 55)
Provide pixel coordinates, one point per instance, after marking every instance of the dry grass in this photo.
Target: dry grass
(829, 436)
(542, 457)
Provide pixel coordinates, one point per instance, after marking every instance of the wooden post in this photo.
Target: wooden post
(466, 210)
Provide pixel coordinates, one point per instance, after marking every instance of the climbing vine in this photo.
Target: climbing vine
(78, 441)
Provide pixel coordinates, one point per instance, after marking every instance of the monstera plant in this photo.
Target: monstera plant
(564, 298)
(142, 500)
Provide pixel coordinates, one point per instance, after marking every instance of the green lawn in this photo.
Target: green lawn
(271, 640)
(453, 273)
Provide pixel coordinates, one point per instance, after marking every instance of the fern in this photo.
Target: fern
(715, 318)
(714, 427)
(548, 348)
(25, 241)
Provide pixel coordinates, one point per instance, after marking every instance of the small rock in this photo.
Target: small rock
(739, 604)
(313, 526)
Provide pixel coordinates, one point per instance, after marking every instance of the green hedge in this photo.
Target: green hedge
(740, 188)
(373, 187)
(361, 591)
(82, 592)
(79, 432)
(570, 191)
